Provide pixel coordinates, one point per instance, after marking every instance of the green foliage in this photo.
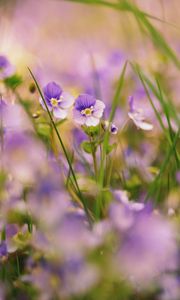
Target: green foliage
(110, 148)
(13, 82)
(87, 147)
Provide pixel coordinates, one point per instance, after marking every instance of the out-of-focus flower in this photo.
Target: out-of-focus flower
(13, 117)
(121, 216)
(136, 114)
(122, 212)
(6, 68)
(2, 106)
(112, 127)
(178, 176)
(57, 101)
(171, 212)
(77, 276)
(51, 198)
(148, 249)
(22, 163)
(3, 250)
(73, 276)
(122, 197)
(171, 287)
(73, 236)
(88, 110)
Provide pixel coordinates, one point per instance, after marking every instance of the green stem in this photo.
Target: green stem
(63, 148)
(18, 266)
(94, 157)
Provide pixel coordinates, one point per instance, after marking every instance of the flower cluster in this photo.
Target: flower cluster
(87, 110)
(70, 214)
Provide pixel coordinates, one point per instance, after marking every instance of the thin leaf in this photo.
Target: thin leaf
(62, 146)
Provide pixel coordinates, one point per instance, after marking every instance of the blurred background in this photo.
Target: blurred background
(60, 36)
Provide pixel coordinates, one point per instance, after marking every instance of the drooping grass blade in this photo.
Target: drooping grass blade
(143, 19)
(62, 146)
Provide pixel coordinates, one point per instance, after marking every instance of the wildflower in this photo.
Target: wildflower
(170, 287)
(57, 101)
(113, 129)
(122, 198)
(23, 167)
(148, 249)
(88, 110)
(136, 114)
(77, 276)
(178, 176)
(6, 68)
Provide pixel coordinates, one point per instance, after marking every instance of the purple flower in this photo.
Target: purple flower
(87, 110)
(148, 249)
(3, 249)
(122, 197)
(178, 176)
(6, 68)
(137, 116)
(113, 129)
(57, 101)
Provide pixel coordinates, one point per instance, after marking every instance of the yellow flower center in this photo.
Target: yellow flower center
(87, 111)
(54, 102)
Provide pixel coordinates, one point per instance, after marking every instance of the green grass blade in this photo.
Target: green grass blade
(167, 133)
(143, 18)
(115, 103)
(62, 146)
(102, 171)
(153, 185)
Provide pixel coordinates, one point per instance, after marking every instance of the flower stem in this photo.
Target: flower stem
(63, 148)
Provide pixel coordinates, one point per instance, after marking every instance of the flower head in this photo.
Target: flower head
(6, 68)
(88, 110)
(113, 129)
(57, 101)
(137, 116)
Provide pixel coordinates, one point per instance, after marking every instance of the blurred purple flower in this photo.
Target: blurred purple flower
(114, 129)
(57, 101)
(77, 276)
(110, 126)
(3, 250)
(170, 285)
(78, 137)
(2, 106)
(122, 197)
(6, 68)
(136, 114)
(87, 110)
(178, 176)
(22, 163)
(148, 249)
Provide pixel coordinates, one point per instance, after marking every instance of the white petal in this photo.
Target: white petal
(137, 206)
(78, 118)
(92, 121)
(138, 120)
(60, 113)
(67, 100)
(43, 105)
(136, 116)
(98, 109)
(143, 125)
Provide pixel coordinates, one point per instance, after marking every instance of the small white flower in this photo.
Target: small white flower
(137, 116)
